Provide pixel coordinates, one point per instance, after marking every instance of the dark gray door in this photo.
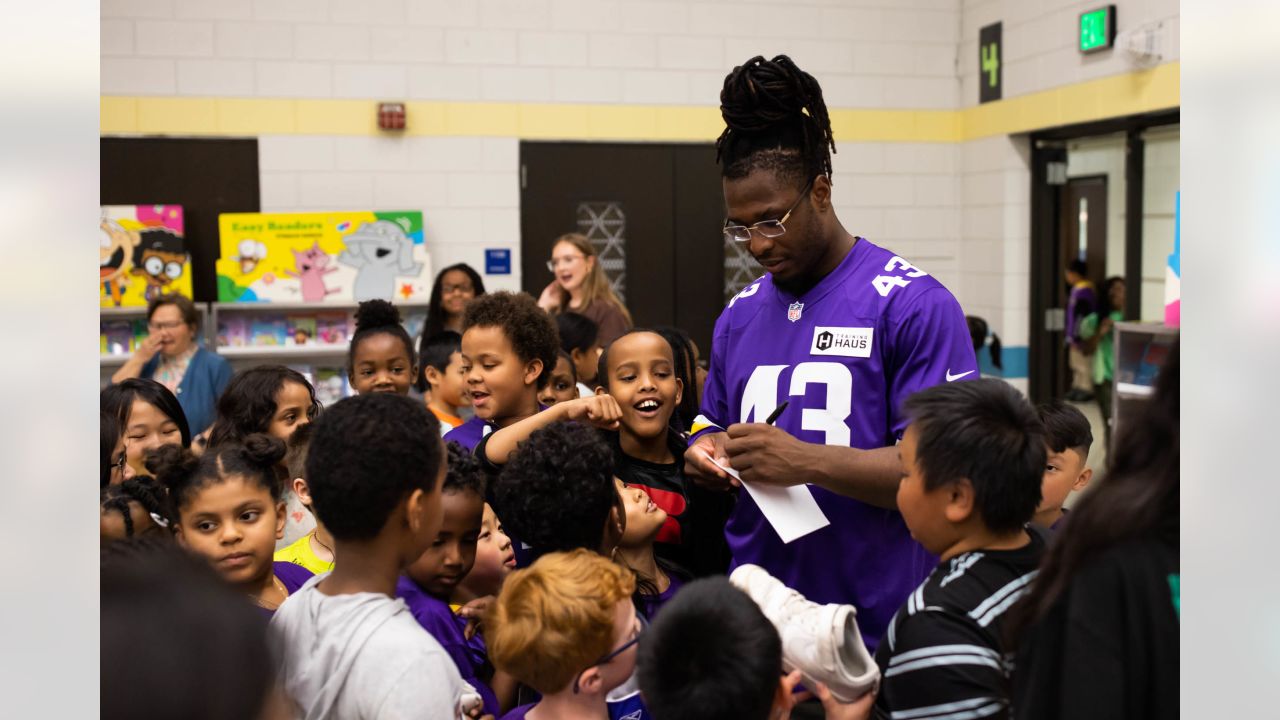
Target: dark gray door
(654, 214)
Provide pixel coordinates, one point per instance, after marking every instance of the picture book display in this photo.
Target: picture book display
(142, 254)
(322, 257)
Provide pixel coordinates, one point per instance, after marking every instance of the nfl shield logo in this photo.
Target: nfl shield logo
(794, 310)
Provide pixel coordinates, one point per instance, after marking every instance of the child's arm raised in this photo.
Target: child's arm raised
(602, 411)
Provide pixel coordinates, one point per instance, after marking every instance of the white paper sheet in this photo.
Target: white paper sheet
(791, 511)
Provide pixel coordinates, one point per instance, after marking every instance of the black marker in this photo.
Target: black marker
(773, 416)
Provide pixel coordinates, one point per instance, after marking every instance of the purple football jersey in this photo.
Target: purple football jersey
(845, 355)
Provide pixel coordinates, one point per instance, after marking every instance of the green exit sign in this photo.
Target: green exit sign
(1098, 29)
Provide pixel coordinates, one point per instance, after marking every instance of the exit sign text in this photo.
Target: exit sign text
(1098, 29)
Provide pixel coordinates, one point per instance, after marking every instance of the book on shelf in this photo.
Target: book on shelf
(333, 328)
(268, 330)
(233, 331)
(140, 332)
(117, 337)
(301, 330)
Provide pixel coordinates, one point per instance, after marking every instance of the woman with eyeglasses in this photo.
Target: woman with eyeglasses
(455, 286)
(828, 343)
(580, 286)
(171, 356)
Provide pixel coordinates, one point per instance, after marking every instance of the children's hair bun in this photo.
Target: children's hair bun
(170, 463)
(263, 450)
(375, 314)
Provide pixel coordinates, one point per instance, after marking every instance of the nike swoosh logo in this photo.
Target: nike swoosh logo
(953, 378)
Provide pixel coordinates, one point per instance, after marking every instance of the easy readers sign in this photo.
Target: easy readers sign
(322, 257)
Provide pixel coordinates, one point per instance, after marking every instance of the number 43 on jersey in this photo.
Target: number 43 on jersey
(884, 284)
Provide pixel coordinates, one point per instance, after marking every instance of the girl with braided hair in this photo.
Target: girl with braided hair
(133, 508)
(841, 331)
(226, 507)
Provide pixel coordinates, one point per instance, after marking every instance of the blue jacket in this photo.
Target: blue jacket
(207, 375)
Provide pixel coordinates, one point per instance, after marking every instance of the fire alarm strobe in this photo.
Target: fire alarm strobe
(391, 116)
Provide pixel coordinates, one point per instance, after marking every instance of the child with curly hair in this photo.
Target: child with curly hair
(509, 350)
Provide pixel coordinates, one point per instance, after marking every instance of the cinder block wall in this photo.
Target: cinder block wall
(954, 204)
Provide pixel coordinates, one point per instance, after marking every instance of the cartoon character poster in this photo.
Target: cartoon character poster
(322, 257)
(142, 253)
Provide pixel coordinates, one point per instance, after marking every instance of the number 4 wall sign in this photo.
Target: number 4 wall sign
(990, 55)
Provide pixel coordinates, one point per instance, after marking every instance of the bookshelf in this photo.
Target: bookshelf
(120, 329)
(1141, 349)
(311, 338)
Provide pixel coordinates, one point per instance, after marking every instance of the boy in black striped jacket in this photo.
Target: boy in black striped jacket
(972, 459)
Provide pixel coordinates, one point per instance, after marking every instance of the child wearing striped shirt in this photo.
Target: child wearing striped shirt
(972, 461)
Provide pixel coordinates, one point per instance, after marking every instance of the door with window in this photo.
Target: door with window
(652, 211)
(1082, 236)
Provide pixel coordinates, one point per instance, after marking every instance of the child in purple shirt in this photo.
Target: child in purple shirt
(428, 582)
(509, 350)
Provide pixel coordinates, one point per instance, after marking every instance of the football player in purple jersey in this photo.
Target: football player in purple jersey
(840, 329)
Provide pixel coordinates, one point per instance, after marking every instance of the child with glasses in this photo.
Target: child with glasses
(567, 628)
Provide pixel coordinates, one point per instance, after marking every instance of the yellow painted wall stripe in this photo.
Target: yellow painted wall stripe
(1115, 96)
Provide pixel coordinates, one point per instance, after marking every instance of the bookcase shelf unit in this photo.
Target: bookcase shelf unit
(256, 318)
(109, 362)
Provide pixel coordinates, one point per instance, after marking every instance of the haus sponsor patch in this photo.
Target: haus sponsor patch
(842, 341)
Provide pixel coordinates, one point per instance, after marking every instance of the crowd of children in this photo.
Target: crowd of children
(397, 592)
(535, 535)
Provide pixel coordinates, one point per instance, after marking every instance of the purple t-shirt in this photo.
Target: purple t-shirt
(651, 604)
(438, 619)
(845, 354)
(469, 433)
(1079, 304)
(291, 576)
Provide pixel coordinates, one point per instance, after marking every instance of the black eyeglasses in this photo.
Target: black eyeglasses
(766, 228)
(643, 625)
